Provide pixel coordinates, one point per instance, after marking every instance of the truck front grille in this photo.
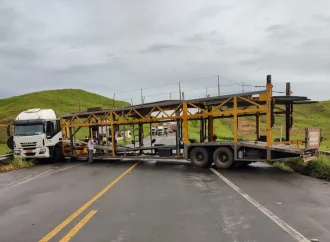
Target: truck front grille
(29, 145)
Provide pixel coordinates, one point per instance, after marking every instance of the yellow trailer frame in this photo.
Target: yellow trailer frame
(230, 106)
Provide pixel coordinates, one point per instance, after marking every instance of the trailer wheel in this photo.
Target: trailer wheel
(223, 158)
(199, 157)
(57, 155)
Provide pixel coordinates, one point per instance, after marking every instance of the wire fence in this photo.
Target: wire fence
(187, 89)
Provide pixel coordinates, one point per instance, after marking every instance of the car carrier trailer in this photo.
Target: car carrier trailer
(206, 150)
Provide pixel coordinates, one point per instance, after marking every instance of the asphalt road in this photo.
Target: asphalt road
(160, 201)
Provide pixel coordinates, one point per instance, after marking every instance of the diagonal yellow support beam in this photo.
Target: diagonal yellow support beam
(152, 110)
(219, 106)
(161, 110)
(127, 115)
(176, 109)
(249, 101)
(139, 114)
(201, 109)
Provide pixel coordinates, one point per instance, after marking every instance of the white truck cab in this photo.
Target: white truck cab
(153, 130)
(37, 134)
(160, 130)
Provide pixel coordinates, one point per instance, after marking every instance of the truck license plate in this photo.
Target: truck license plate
(29, 151)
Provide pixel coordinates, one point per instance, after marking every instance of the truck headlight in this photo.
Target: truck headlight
(17, 152)
(42, 151)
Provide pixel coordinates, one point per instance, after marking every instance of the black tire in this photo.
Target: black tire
(199, 157)
(57, 154)
(223, 158)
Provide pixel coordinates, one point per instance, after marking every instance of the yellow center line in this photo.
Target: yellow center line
(55, 231)
(79, 225)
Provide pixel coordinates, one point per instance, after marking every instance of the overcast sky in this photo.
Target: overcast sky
(113, 46)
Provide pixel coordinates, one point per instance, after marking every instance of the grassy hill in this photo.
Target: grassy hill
(61, 101)
(311, 115)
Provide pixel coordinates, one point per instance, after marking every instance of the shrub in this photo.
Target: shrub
(319, 168)
(283, 166)
(296, 164)
(16, 163)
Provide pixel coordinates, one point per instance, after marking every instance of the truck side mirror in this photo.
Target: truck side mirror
(153, 141)
(10, 143)
(8, 130)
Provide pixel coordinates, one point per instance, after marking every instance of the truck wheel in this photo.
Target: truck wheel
(223, 158)
(199, 157)
(57, 155)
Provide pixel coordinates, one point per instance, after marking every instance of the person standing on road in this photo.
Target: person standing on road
(90, 149)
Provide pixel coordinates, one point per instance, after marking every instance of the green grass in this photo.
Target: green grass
(315, 115)
(4, 149)
(3, 137)
(220, 129)
(292, 165)
(14, 164)
(283, 166)
(318, 168)
(305, 116)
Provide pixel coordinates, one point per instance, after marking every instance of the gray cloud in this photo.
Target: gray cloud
(321, 18)
(213, 10)
(276, 28)
(156, 48)
(17, 53)
(7, 19)
(213, 37)
(112, 46)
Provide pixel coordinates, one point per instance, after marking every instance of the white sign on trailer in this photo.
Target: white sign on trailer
(313, 138)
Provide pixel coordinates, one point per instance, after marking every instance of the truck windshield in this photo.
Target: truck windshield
(27, 130)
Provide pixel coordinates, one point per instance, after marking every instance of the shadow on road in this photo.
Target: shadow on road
(253, 170)
(257, 168)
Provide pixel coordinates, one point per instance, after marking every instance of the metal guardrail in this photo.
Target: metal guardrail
(5, 157)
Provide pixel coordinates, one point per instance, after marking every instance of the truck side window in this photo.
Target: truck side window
(58, 126)
(50, 128)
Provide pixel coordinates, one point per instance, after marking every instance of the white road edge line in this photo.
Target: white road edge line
(43, 174)
(26, 178)
(294, 233)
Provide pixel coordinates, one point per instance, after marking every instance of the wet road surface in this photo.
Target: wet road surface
(159, 201)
